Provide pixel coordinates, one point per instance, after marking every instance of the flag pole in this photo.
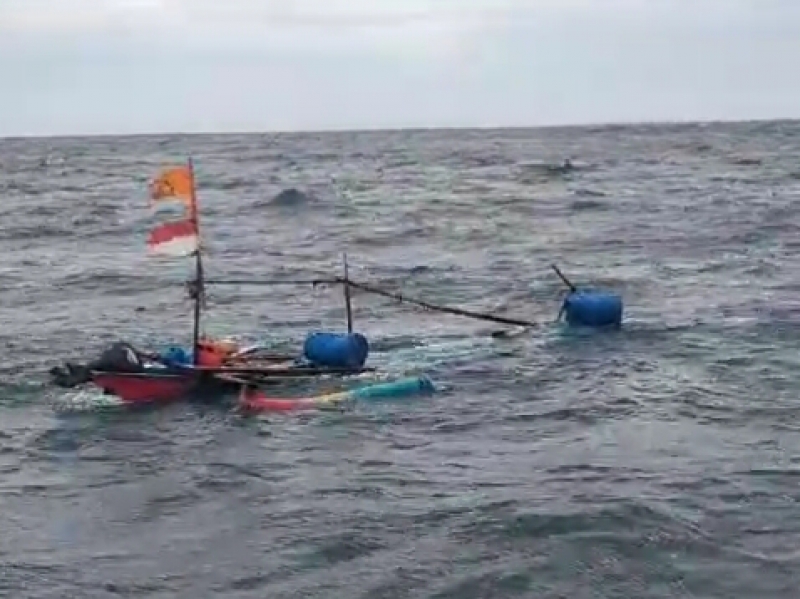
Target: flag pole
(198, 290)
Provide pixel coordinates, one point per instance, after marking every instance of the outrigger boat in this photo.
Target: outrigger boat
(137, 376)
(215, 366)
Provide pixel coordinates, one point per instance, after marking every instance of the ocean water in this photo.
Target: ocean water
(662, 460)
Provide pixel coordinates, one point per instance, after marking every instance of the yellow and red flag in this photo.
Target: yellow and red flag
(174, 184)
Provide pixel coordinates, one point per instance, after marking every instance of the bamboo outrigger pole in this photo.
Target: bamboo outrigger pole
(564, 279)
(347, 304)
(438, 308)
(350, 284)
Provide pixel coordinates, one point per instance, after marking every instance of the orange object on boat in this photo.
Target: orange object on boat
(214, 353)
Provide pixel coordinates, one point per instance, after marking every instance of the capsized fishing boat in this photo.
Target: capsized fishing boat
(211, 366)
(216, 365)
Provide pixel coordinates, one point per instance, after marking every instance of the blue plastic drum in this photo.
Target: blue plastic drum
(336, 350)
(593, 309)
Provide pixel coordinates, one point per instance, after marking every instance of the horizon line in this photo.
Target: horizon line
(414, 129)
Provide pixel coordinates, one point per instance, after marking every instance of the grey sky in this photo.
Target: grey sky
(124, 66)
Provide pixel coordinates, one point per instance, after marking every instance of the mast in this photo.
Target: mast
(197, 287)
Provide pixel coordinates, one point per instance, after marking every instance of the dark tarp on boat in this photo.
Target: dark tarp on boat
(119, 357)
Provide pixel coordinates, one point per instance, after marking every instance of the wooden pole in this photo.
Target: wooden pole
(564, 279)
(347, 304)
(198, 290)
(436, 308)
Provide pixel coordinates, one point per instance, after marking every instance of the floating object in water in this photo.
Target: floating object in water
(589, 308)
(592, 309)
(335, 350)
(253, 400)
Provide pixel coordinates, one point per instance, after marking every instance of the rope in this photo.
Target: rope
(268, 282)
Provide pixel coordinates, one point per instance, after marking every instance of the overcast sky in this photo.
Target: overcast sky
(126, 66)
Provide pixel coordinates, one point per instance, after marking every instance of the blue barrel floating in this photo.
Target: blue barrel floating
(593, 309)
(336, 350)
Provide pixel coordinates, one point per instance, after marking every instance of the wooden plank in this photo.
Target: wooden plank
(294, 371)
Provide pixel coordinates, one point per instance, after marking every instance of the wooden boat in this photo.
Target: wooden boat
(137, 376)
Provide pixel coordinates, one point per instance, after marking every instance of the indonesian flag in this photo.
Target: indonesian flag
(177, 238)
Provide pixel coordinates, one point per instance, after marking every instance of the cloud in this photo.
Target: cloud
(436, 31)
(133, 65)
(89, 14)
(433, 29)
(32, 17)
(245, 19)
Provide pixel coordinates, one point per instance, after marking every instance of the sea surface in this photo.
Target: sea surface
(662, 460)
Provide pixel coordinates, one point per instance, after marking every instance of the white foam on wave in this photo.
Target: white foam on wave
(86, 401)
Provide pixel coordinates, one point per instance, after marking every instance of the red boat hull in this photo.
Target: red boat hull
(144, 388)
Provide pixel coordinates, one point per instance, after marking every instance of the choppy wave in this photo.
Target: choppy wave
(653, 462)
